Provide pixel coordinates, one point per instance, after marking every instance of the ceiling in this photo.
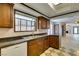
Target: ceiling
(73, 19)
(46, 10)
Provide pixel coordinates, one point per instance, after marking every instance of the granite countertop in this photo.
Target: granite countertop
(18, 41)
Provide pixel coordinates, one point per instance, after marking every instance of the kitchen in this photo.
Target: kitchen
(24, 34)
(39, 29)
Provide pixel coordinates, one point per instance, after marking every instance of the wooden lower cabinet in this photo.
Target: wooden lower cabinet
(33, 50)
(46, 43)
(34, 47)
(37, 46)
(54, 41)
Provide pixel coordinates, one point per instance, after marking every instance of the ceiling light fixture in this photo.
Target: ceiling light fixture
(52, 6)
(56, 3)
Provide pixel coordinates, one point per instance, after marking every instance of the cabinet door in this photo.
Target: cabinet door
(35, 47)
(39, 24)
(44, 24)
(16, 50)
(6, 15)
(48, 24)
(54, 41)
(41, 45)
(46, 43)
(33, 50)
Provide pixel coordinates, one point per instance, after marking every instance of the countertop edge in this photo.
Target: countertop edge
(11, 44)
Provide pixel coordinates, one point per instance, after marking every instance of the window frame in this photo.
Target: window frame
(77, 30)
(21, 25)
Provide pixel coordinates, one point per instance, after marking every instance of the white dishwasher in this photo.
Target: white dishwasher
(15, 50)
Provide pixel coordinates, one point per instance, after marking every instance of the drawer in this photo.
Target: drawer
(34, 41)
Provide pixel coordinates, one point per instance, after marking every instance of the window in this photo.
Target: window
(23, 23)
(76, 30)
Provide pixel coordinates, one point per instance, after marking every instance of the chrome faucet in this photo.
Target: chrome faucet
(32, 33)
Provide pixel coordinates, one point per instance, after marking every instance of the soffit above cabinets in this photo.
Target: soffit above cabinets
(45, 9)
(25, 9)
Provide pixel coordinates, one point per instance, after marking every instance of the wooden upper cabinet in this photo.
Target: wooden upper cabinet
(6, 15)
(43, 23)
(48, 24)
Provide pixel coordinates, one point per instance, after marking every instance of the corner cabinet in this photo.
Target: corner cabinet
(6, 15)
(43, 23)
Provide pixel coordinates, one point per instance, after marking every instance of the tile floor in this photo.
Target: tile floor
(61, 52)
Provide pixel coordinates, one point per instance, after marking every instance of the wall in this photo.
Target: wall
(70, 20)
(52, 28)
(69, 27)
(51, 31)
(9, 32)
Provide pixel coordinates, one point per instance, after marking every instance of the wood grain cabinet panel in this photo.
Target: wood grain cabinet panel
(37, 46)
(33, 50)
(46, 43)
(54, 41)
(6, 15)
(48, 24)
(43, 23)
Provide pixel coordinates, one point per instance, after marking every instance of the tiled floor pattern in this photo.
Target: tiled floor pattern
(61, 52)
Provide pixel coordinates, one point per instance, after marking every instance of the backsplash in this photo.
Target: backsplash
(9, 32)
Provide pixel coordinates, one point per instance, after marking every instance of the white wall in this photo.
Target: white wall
(9, 32)
(52, 28)
(70, 20)
(51, 31)
(69, 27)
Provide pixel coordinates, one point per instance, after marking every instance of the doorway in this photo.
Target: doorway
(56, 29)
